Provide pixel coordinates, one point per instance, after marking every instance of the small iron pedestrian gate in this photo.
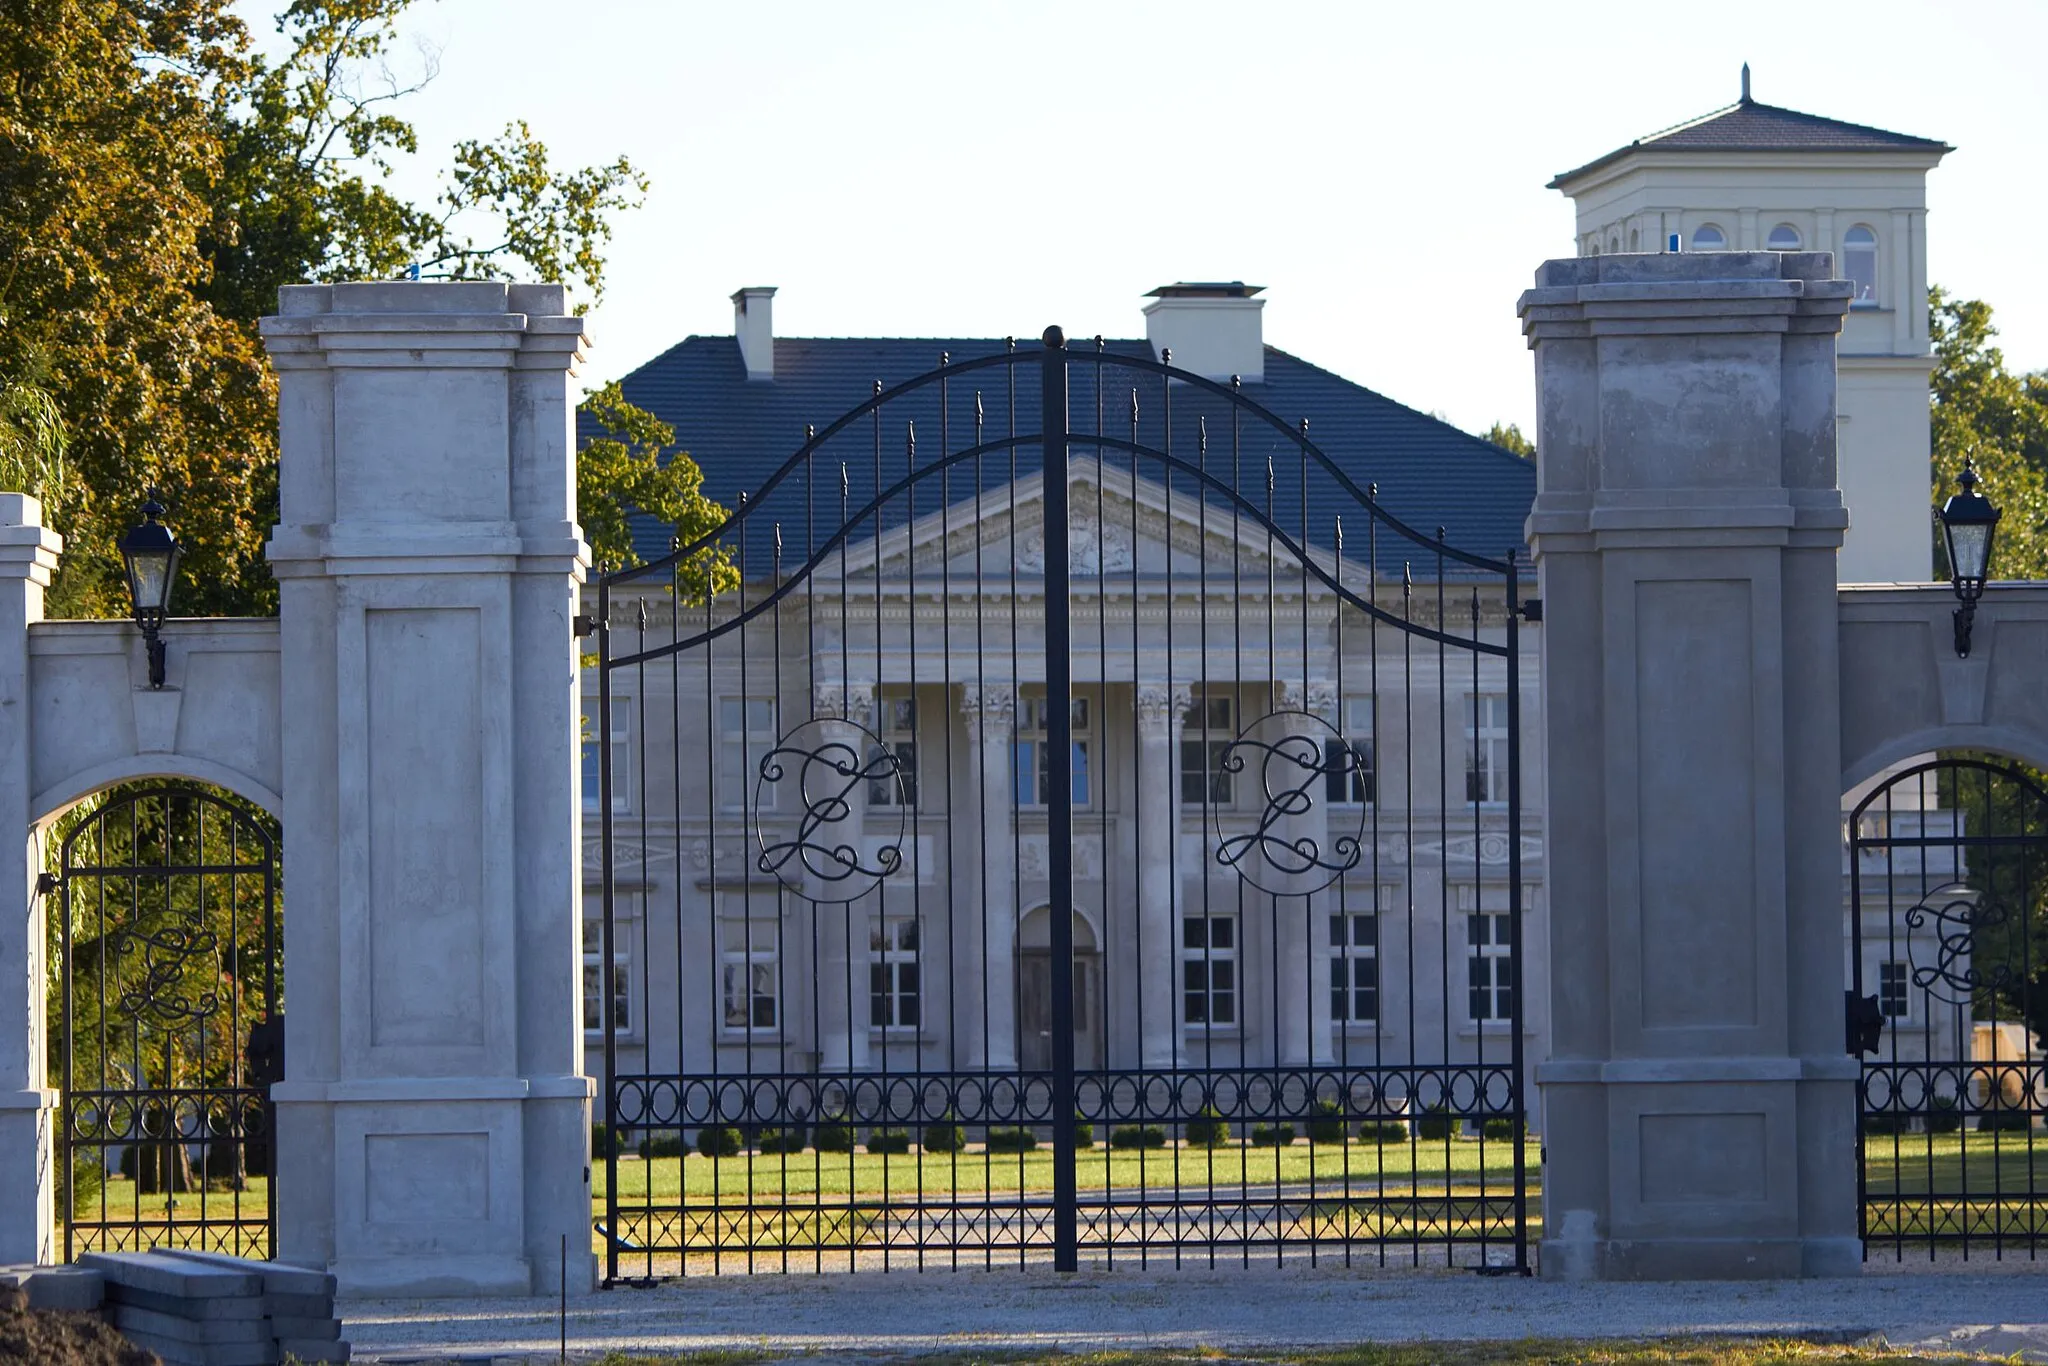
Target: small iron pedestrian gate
(1948, 874)
(1125, 862)
(166, 942)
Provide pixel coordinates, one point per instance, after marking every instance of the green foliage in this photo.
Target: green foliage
(622, 473)
(775, 1141)
(946, 1136)
(602, 1144)
(1508, 436)
(719, 1140)
(1207, 1129)
(1887, 1124)
(1125, 1137)
(1084, 1132)
(834, 1135)
(1498, 1127)
(2004, 1121)
(1984, 413)
(1326, 1124)
(1012, 1140)
(1944, 1116)
(32, 435)
(1436, 1123)
(662, 1145)
(1382, 1131)
(894, 1142)
(1272, 1135)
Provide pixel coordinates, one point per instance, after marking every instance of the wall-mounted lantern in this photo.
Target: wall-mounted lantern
(1968, 524)
(150, 553)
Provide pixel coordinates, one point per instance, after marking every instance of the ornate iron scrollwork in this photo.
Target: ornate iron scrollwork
(815, 772)
(167, 952)
(1295, 756)
(1952, 916)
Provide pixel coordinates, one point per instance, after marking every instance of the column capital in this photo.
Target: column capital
(1317, 697)
(990, 709)
(849, 701)
(1160, 708)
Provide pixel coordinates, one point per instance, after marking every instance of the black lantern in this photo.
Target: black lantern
(150, 553)
(1968, 524)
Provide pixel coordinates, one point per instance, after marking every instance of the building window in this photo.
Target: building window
(746, 733)
(1635, 239)
(1347, 763)
(1354, 968)
(1208, 953)
(1491, 971)
(1784, 237)
(622, 758)
(893, 977)
(596, 981)
(1205, 739)
(895, 721)
(1859, 265)
(1486, 747)
(1032, 755)
(1707, 237)
(1891, 991)
(750, 985)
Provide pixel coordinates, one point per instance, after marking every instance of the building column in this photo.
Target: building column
(1900, 262)
(434, 1136)
(988, 970)
(1699, 1106)
(833, 798)
(1156, 961)
(28, 1106)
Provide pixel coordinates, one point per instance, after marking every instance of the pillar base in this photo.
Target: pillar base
(1698, 1259)
(28, 1177)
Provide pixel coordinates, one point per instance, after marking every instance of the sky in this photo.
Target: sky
(900, 168)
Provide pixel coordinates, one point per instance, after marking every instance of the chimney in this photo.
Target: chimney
(752, 326)
(1212, 328)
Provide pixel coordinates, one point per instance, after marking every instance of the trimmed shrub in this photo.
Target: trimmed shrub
(601, 1143)
(1326, 1123)
(1084, 1132)
(944, 1136)
(1208, 1129)
(1498, 1127)
(2004, 1121)
(1011, 1140)
(662, 1145)
(833, 1136)
(718, 1140)
(1888, 1123)
(893, 1142)
(1436, 1123)
(782, 1141)
(1943, 1115)
(1272, 1135)
(1129, 1136)
(1382, 1131)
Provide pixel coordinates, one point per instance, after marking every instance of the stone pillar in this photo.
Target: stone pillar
(989, 973)
(434, 1133)
(1699, 1107)
(836, 890)
(28, 1106)
(1161, 711)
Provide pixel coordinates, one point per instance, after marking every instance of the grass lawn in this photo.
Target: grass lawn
(1527, 1352)
(1951, 1185)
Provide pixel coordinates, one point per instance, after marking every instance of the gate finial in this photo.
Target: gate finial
(1054, 339)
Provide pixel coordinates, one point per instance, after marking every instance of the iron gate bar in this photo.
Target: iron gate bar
(1059, 705)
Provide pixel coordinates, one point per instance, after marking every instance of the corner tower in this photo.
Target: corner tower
(1755, 177)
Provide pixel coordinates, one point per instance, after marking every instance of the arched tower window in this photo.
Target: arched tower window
(1784, 237)
(1635, 239)
(1707, 237)
(1859, 265)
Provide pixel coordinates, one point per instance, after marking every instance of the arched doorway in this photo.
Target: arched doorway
(1034, 992)
(168, 1019)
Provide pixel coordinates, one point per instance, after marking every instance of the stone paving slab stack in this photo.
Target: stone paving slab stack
(73, 1288)
(205, 1309)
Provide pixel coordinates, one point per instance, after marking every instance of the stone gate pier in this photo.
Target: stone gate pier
(1699, 1105)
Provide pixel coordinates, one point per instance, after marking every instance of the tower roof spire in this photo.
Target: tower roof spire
(1745, 83)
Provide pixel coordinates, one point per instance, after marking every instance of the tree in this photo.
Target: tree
(1980, 411)
(32, 435)
(621, 474)
(158, 182)
(1508, 437)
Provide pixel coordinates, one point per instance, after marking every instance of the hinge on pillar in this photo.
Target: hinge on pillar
(585, 624)
(46, 884)
(1531, 610)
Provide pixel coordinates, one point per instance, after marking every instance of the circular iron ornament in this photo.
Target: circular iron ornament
(1947, 920)
(1293, 756)
(815, 771)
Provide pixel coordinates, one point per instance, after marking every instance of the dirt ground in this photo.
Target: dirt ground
(45, 1339)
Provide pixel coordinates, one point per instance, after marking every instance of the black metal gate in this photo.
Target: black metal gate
(1948, 872)
(166, 941)
(1000, 867)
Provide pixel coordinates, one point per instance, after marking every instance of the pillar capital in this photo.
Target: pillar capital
(853, 700)
(1160, 708)
(28, 549)
(990, 709)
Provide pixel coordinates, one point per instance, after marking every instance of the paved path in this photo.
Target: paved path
(1984, 1307)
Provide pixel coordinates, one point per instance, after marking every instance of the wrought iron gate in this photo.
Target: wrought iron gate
(998, 866)
(1948, 872)
(166, 941)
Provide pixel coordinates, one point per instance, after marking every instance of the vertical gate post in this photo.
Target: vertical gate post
(1059, 822)
(433, 1137)
(1698, 1104)
(28, 1104)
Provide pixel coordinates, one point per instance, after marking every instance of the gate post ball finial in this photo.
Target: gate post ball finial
(149, 554)
(1969, 523)
(1054, 338)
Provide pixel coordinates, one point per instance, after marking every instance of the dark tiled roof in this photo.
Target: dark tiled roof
(740, 432)
(1752, 127)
